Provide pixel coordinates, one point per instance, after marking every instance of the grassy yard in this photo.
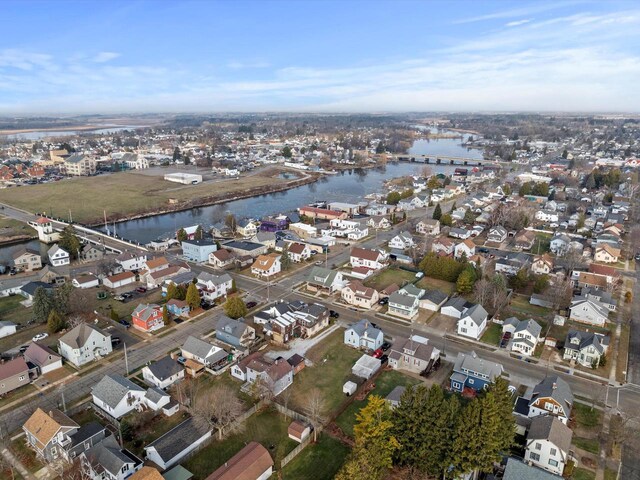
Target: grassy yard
(332, 368)
(541, 244)
(267, 427)
(591, 445)
(10, 228)
(389, 276)
(11, 310)
(146, 428)
(319, 461)
(386, 382)
(26, 455)
(520, 305)
(583, 474)
(492, 335)
(126, 193)
(435, 284)
(623, 353)
(17, 394)
(587, 417)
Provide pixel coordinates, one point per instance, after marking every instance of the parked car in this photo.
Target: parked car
(318, 263)
(377, 353)
(141, 289)
(384, 359)
(334, 314)
(251, 304)
(181, 360)
(115, 340)
(125, 323)
(40, 336)
(385, 346)
(383, 301)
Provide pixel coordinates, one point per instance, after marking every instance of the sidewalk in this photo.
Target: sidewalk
(10, 457)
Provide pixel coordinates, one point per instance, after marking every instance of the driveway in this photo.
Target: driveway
(300, 346)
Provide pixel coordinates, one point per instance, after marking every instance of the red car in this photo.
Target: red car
(377, 354)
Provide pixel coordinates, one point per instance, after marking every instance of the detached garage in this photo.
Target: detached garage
(119, 280)
(366, 366)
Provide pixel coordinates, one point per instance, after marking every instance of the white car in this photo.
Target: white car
(40, 336)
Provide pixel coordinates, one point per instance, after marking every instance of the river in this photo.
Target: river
(40, 134)
(347, 186)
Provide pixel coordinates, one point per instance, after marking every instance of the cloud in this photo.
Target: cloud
(517, 22)
(519, 12)
(236, 65)
(104, 57)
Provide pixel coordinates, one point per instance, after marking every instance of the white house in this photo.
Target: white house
(163, 373)
(119, 280)
(83, 344)
(267, 265)
(525, 335)
(605, 253)
(547, 216)
(212, 286)
(7, 328)
(497, 234)
(129, 261)
(588, 310)
(542, 265)
(173, 446)
(585, 348)
(363, 335)
(548, 444)
(428, 226)
(356, 294)
(466, 248)
(117, 395)
(473, 322)
(58, 256)
(85, 281)
(299, 252)
(402, 241)
(371, 259)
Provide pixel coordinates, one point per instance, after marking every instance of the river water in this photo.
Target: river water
(40, 134)
(347, 186)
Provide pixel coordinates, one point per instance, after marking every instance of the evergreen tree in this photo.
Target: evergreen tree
(172, 291)
(55, 322)
(466, 280)
(467, 450)
(234, 307)
(199, 235)
(453, 207)
(176, 154)
(286, 152)
(446, 220)
(69, 241)
(42, 305)
(193, 296)
(181, 235)
(165, 315)
(437, 212)
(285, 258)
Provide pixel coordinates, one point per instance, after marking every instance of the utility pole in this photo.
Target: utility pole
(64, 404)
(126, 358)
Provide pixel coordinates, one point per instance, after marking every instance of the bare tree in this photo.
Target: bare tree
(315, 410)
(7, 466)
(482, 291)
(285, 397)
(75, 320)
(559, 294)
(186, 392)
(107, 266)
(219, 407)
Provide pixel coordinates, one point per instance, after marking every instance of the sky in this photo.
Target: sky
(70, 57)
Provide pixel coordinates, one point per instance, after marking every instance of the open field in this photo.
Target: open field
(126, 194)
(267, 427)
(319, 461)
(11, 310)
(436, 284)
(13, 229)
(332, 368)
(389, 276)
(387, 381)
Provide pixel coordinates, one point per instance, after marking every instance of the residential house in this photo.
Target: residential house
(253, 462)
(542, 264)
(15, 374)
(552, 396)
(235, 332)
(588, 310)
(246, 228)
(58, 256)
(548, 444)
(83, 344)
(299, 252)
(379, 223)
(460, 232)
(163, 373)
(455, 307)
(512, 263)
(198, 251)
(27, 260)
(428, 226)
(119, 280)
(602, 296)
(402, 241)
(395, 396)
(473, 322)
(371, 259)
(7, 328)
(363, 335)
(156, 264)
(403, 305)
(466, 248)
(378, 209)
(179, 308)
(28, 290)
(585, 348)
(274, 224)
(497, 234)
(606, 253)
(212, 287)
(525, 335)
(524, 240)
(147, 317)
(547, 216)
(325, 280)
(222, 258)
(472, 372)
(443, 246)
(275, 375)
(356, 294)
(129, 261)
(107, 460)
(92, 253)
(518, 470)
(47, 433)
(413, 354)
(267, 265)
(117, 395)
(42, 357)
(201, 354)
(432, 300)
(559, 244)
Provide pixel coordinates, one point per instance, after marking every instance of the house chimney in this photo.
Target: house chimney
(554, 386)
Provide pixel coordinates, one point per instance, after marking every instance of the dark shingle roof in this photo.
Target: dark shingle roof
(165, 368)
(178, 439)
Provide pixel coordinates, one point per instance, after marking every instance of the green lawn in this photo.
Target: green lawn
(586, 416)
(583, 474)
(610, 474)
(389, 276)
(332, 368)
(267, 427)
(520, 304)
(541, 244)
(319, 461)
(10, 228)
(436, 284)
(386, 382)
(492, 335)
(591, 445)
(11, 310)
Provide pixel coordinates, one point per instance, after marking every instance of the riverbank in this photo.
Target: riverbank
(13, 232)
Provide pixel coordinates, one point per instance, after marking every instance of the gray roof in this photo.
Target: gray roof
(31, 287)
(229, 326)
(518, 470)
(586, 339)
(472, 364)
(530, 326)
(78, 336)
(321, 276)
(178, 439)
(75, 158)
(548, 427)
(165, 368)
(183, 278)
(197, 347)
(459, 303)
(396, 393)
(556, 388)
(435, 296)
(364, 326)
(477, 313)
(412, 290)
(109, 456)
(85, 432)
(397, 298)
(154, 394)
(215, 279)
(113, 388)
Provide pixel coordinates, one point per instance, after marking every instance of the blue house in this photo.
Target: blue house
(471, 371)
(179, 308)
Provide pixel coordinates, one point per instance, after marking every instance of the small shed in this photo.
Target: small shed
(366, 366)
(349, 388)
(298, 431)
(393, 399)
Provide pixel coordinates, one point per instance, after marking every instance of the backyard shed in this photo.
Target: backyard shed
(366, 367)
(349, 388)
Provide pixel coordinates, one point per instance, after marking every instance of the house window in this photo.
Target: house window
(553, 452)
(535, 457)
(553, 463)
(538, 446)
(471, 381)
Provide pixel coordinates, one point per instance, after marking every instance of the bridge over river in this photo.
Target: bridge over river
(441, 159)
